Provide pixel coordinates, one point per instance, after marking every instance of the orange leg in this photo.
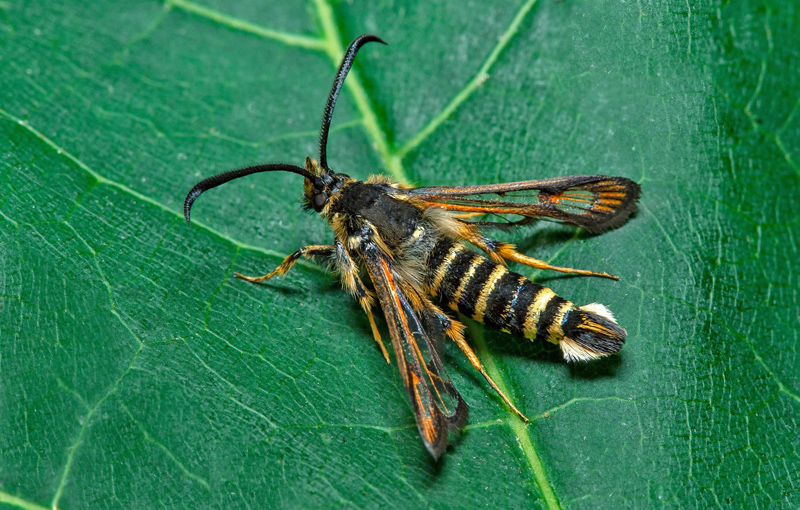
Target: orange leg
(348, 272)
(306, 251)
(500, 252)
(508, 252)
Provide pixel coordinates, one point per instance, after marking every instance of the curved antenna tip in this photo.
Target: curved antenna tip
(219, 179)
(344, 68)
(192, 196)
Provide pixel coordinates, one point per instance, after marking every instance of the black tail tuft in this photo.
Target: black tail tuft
(590, 332)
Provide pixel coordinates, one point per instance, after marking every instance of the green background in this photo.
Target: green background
(135, 372)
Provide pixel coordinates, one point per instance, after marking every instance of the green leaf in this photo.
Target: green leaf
(135, 372)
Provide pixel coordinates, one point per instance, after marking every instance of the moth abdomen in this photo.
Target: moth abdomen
(488, 292)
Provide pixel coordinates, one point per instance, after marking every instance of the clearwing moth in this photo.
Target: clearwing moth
(411, 243)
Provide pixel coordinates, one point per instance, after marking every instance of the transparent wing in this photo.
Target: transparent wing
(438, 407)
(594, 202)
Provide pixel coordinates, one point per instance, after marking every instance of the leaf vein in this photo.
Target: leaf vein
(125, 189)
(480, 77)
(17, 501)
(300, 41)
(149, 438)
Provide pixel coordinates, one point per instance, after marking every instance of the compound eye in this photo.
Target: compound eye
(320, 200)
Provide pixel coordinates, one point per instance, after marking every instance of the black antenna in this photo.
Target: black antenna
(216, 180)
(341, 74)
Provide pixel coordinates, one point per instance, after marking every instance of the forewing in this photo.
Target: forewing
(594, 202)
(437, 405)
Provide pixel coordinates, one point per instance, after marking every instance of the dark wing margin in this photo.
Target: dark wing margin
(594, 202)
(438, 407)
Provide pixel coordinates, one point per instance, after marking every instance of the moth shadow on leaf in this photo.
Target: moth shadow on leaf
(499, 343)
(285, 288)
(505, 343)
(291, 287)
(598, 369)
(551, 235)
(544, 351)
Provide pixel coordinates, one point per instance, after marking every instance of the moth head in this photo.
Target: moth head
(326, 183)
(323, 185)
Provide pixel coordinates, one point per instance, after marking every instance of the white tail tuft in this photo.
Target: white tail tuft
(573, 351)
(590, 332)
